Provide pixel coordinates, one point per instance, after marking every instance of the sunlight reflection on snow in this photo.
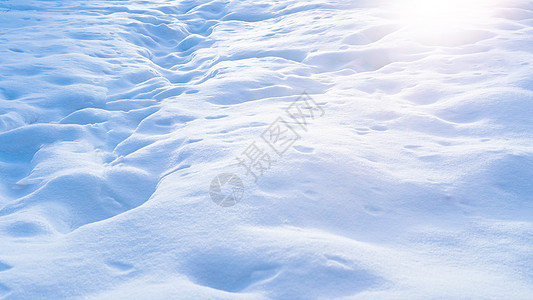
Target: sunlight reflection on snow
(440, 19)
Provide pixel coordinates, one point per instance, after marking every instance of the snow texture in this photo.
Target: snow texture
(413, 180)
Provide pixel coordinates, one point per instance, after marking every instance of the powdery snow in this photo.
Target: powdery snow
(414, 182)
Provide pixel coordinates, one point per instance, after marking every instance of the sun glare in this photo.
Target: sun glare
(441, 16)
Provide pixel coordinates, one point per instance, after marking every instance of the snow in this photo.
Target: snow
(412, 180)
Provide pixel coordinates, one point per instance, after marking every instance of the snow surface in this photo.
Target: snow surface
(415, 183)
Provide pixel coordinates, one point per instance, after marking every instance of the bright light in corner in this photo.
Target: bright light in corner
(441, 16)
